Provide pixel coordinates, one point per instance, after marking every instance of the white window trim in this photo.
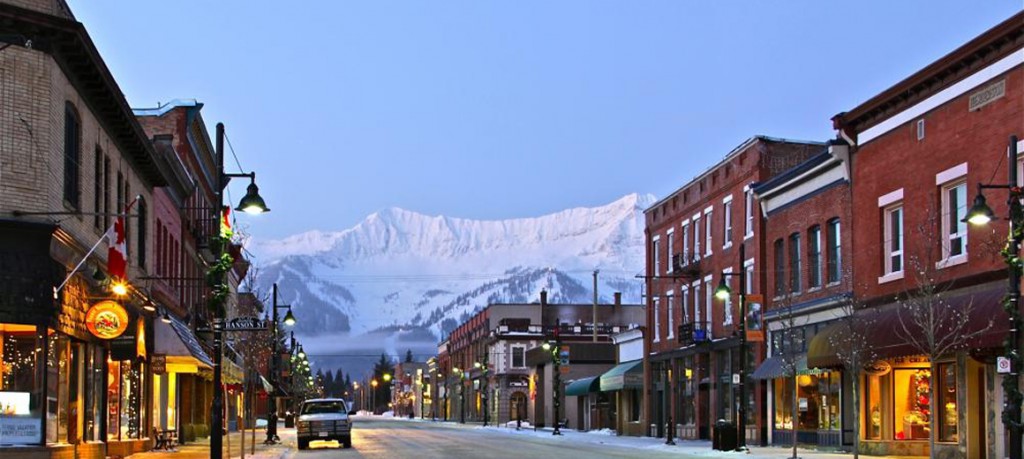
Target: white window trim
(889, 198)
(820, 263)
(708, 231)
(686, 241)
(727, 221)
(655, 247)
(838, 254)
(889, 276)
(668, 316)
(698, 315)
(749, 263)
(696, 236)
(748, 213)
(727, 303)
(954, 173)
(670, 237)
(945, 180)
(684, 295)
(657, 319)
(709, 299)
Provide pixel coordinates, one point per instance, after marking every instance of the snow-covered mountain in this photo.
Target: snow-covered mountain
(401, 273)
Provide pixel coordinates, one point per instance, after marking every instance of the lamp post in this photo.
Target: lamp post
(981, 214)
(483, 384)
(669, 430)
(723, 292)
(275, 367)
(462, 396)
(556, 360)
(251, 203)
(373, 382)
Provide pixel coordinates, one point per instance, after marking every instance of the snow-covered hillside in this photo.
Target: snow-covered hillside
(409, 273)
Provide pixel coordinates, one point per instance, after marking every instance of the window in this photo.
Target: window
(947, 402)
(657, 256)
(794, 263)
(684, 303)
(141, 236)
(709, 295)
(670, 252)
(834, 253)
(876, 406)
(780, 268)
(893, 239)
(954, 229)
(727, 222)
(814, 257)
(657, 319)
(97, 190)
(669, 313)
(698, 316)
(696, 237)
(106, 191)
(707, 231)
(72, 156)
(686, 243)
(911, 403)
(518, 357)
(748, 197)
(727, 303)
(748, 266)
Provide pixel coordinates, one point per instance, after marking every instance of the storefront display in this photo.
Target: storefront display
(19, 385)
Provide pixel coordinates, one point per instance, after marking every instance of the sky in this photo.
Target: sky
(507, 109)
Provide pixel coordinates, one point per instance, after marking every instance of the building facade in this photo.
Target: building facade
(918, 151)
(694, 240)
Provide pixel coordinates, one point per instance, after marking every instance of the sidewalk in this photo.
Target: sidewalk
(200, 449)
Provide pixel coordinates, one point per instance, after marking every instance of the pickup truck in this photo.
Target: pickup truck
(324, 419)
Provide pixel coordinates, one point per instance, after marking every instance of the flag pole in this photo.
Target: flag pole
(93, 249)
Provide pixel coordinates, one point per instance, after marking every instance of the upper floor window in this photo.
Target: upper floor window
(684, 303)
(707, 231)
(655, 248)
(670, 315)
(835, 261)
(893, 242)
(97, 189)
(954, 229)
(696, 237)
(814, 257)
(140, 235)
(698, 316)
(794, 263)
(518, 357)
(670, 238)
(748, 212)
(727, 221)
(748, 266)
(657, 319)
(709, 295)
(727, 303)
(686, 243)
(779, 253)
(72, 156)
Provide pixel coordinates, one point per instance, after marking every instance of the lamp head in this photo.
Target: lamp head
(723, 291)
(252, 203)
(289, 318)
(149, 306)
(165, 318)
(302, 353)
(980, 213)
(546, 346)
(119, 287)
(477, 364)
(387, 377)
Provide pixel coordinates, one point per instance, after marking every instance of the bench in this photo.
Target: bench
(166, 439)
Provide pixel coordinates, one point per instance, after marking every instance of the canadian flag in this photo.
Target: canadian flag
(117, 258)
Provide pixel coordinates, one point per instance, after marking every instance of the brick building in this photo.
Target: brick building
(807, 212)
(694, 236)
(918, 150)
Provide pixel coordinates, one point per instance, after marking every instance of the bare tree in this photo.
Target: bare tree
(928, 321)
(853, 349)
(789, 351)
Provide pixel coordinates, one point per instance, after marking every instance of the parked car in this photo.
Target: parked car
(325, 419)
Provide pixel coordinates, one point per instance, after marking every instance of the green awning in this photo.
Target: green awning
(628, 375)
(583, 386)
(774, 367)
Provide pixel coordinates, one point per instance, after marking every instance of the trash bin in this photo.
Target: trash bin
(724, 438)
(289, 420)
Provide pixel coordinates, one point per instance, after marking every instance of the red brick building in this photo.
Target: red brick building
(807, 213)
(693, 236)
(919, 150)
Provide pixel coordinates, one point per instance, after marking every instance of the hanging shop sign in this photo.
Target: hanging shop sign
(106, 319)
(878, 368)
(159, 363)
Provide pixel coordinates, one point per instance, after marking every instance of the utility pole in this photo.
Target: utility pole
(594, 323)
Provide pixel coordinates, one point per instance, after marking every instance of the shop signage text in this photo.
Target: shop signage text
(245, 324)
(106, 320)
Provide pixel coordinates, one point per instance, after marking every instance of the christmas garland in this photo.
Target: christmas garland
(1011, 255)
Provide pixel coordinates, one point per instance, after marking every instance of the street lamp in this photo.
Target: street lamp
(981, 214)
(275, 367)
(373, 382)
(483, 385)
(556, 359)
(254, 204)
(723, 292)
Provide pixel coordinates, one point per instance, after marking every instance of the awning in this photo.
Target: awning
(180, 345)
(774, 367)
(628, 375)
(584, 386)
(884, 333)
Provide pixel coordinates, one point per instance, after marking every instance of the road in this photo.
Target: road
(386, 438)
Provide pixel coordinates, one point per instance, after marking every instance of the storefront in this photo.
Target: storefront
(806, 402)
(626, 381)
(177, 361)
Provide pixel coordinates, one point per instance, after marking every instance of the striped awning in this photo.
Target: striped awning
(583, 386)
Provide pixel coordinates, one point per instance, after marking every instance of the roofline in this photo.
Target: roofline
(162, 109)
(734, 152)
(991, 45)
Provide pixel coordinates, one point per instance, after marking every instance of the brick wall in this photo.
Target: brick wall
(898, 160)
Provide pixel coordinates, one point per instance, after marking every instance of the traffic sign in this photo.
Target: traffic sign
(245, 324)
(1002, 365)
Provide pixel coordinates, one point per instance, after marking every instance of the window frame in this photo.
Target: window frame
(655, 243)
(779, 253)
(749, 212)
(656, 306)
(833, 230)
(795, 264)
(72, 185)
(512, 362)
(888, 204)
(727, 222)
(669, 319)
(669, 239)
(696, 236)
(708, 231)
(686, 242)
(727, 302)
(947, 181)
(814, 278)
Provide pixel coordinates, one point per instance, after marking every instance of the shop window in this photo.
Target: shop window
(634, 405)
(829, 387)
(946, 403)
(817, 402)
(687, 391)
(124, 400)
(783, 393)
(20, 384)
(94, 393)
(911, 403)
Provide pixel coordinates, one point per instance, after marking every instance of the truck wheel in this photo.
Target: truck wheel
(303, 444)
(346, 442)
